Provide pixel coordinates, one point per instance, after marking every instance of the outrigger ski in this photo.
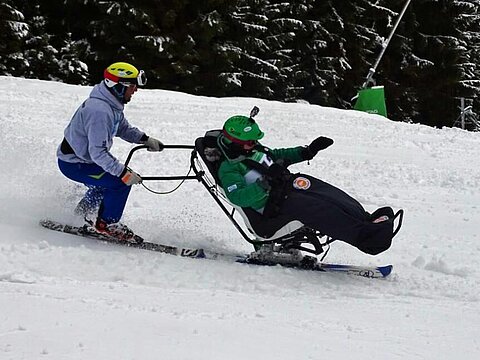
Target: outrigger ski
(307, 263)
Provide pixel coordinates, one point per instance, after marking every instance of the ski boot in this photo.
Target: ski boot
(116, 231)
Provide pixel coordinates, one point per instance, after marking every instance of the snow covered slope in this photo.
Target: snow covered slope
(64, 297)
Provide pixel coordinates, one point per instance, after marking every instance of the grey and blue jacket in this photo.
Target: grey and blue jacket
(92, 128)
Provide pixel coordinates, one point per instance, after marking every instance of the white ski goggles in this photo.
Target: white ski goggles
(140, 80)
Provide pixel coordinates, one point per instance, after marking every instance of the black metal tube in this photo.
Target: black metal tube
(200, 174)
(130, 154)
(169, 178)
(162, 178)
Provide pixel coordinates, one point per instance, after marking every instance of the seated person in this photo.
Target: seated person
(256, 178)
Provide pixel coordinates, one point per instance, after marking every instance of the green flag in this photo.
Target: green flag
(372, 100)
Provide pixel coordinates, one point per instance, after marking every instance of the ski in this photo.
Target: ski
(307, 263)
(310, 263)
(365, 271)
(87, 232)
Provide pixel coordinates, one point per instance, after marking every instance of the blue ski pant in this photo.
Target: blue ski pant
(103, 188)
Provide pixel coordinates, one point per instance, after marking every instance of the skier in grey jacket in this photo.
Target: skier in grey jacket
(84, 154)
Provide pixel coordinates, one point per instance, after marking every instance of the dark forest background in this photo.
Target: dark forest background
(317, 51)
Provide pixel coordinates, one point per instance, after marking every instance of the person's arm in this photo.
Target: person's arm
(301, 153)
(320, 143)
(237, 191)
(130, 133)
(133, 135)
(291, 155)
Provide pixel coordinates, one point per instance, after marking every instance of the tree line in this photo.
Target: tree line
(313, 50)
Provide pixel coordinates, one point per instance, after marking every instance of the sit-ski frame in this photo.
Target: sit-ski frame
(295, 240)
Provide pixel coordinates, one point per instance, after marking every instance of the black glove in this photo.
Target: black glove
(316, 145)
(263, 182)
(275, 171)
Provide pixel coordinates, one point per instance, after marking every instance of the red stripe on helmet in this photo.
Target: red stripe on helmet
(231, 138)
(109, 76)
(237, 141)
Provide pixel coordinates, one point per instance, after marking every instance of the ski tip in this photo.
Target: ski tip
(385, 270)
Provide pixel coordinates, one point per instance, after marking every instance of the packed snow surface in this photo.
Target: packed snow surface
(65, 297)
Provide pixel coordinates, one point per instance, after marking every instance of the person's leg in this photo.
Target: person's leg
(91, 201)
(375, 237)
(377, 234)
(114, 201)
(333, 212)
(326, 208)
(323, 215)
(115, 192)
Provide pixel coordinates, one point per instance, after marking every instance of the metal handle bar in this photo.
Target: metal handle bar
(188, 147)
(130, 154)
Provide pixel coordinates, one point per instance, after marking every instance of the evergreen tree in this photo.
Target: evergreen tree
(327, 50)
(302, 49)
(192, 30)
(361, 27)
(248, 71)
(428, 64)
(402, 66)
(316, 50)
(30, 49)
(121, 31)
(209, 69)
(467, 25)
(13, 32)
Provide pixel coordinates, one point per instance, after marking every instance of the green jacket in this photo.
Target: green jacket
(239, 181)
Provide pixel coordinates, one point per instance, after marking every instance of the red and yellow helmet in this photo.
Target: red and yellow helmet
(125, 74)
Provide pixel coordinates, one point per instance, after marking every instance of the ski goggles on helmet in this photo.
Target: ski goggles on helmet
(246, 144)
(141, 78)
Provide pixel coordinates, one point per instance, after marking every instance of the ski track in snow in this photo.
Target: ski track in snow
(65, 297)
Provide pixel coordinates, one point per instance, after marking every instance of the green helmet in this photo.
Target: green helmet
(242, 128)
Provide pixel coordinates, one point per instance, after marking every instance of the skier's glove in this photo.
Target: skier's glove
(279, 179)
(316, 145)
(263, 182)
(153, 144)
(130, 177)
(277, 175)
(275, 171)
